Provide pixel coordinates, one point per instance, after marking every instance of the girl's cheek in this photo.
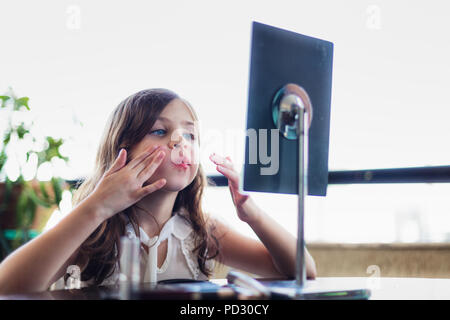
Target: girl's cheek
(194, 154)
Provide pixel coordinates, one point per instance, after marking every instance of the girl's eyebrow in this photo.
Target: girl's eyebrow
(186, 123)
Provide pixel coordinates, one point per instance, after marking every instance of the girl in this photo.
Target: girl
(147, 182)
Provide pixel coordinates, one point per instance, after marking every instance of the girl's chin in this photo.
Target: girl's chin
(172, 185)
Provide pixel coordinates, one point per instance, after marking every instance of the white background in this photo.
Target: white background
(79, 59)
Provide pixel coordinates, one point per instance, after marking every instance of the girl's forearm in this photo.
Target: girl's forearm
(281, 245)
(31, 267)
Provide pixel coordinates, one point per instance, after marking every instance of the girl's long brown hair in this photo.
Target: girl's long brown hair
(127, 125)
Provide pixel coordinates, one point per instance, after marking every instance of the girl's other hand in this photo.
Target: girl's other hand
(225, 167)
(122, 185)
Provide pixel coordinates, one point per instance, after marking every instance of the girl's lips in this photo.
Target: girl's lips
(181, 165)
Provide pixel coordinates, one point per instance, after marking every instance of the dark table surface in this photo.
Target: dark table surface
(381, 288)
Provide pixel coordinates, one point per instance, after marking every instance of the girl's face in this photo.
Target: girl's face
(175, 131)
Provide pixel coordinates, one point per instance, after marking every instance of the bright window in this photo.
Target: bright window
(389, 105)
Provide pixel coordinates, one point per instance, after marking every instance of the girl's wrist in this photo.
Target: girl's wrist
(95, 209)
(251, 214)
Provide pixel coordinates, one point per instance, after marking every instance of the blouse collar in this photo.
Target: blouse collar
(177, 225)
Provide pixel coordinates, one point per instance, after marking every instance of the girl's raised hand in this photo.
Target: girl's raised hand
(225, 167)
(122, 185)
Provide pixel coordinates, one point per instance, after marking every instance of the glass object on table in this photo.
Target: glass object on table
(129, 277)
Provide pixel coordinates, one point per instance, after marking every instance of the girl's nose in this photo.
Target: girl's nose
(179, 142)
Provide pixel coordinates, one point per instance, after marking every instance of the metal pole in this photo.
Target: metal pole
(302, 187)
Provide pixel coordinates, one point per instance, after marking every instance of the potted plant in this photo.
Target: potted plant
(25, 202)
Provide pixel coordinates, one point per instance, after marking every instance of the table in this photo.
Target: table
(390, 288)
(381, 289)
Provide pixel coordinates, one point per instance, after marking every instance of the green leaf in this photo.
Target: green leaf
(21, 130)
(44, 191)
(7, 138)
(7, 194)
(21, 102)
(8, 187)
(37, 201)
(3, 158)
(4, 99)
(56, 184)
(51, 151)
(21, 209)
(26, 208)
(42, 157)
(21, 180)
(30, 211)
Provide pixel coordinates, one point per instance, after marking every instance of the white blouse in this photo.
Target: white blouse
(180, 263)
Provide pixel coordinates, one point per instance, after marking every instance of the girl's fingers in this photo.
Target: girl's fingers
(141, 166)
(118, 163)
(133, 163)
(230, 174)
(150, 166)
(218, 160)
(224, 166)
(151, 188)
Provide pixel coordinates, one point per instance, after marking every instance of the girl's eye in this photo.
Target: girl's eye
(190, 136)
(158, 132)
